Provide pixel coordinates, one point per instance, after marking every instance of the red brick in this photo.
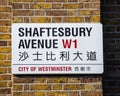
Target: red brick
(3, 43)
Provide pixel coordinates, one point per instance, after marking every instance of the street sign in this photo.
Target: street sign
(57, 48)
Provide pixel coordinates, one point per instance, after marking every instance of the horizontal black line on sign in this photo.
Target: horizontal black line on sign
(57, 64)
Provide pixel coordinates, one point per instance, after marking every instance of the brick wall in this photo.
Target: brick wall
(111, 22)
(44, 11)
(5, 48)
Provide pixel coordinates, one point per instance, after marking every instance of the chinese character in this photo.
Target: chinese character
(82, 68)
(77, 56)
(91, 56)
(76, 68)
(88, 68)
(37, 54)
(64, 55)
(50, 56)
(23, 56)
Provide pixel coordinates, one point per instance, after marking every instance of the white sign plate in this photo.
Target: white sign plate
(57, 48)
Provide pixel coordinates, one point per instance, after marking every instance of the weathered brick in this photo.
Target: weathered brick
(10, 2)
(5, 63)
(55, 93)
(8, 43)
(95, 0)
(17, 5)
(5, 22)
(9, 29)
(73, 12)
(3, 43)
(5, 49)
(23, 0)
(57, 87)
(3, 56)
(41, 6)
(86, 5)
(17, 19)
(73, 80)
(57, 6)
(5, 36)
(17, 87)
(40, 94)
(23, 94)
(74, 87)
(23, 80)
(26, 19)
(73, 5)
(40, 19)
(88, 87)
(85, 12)
(74, 93)
(3, 2)
(40, 87)
(56, 0)
(97, 86)
(26, 87)
(95, 19)
(90, 80)
(72, 0)
(73, 19)
(56, 13)
(90, 93)
(96, 12)
(3, 29)
(3, 84)
(5, 16)
(5, 77)
(88, 19)
(38, 0)
(5, 91)
(56, 19)
(86, 0)
(39, 12)
(23, 13)
(3, 70)
(10, 84)
(26, 6)
(57, 80)
(89, 12)
(40, 80)
(5, 9)
(95, 5)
